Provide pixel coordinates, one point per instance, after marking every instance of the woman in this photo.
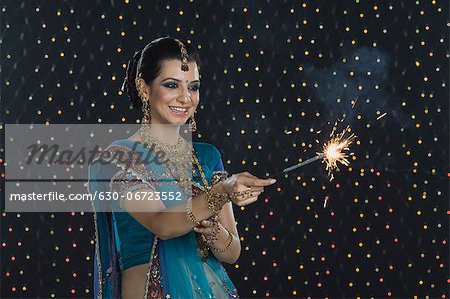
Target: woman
(166, 253)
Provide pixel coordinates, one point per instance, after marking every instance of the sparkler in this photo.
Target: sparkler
(333, 152)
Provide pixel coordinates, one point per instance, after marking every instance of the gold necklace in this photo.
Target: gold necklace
(171, 150)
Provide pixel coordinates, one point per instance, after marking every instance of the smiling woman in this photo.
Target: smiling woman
(165, 253)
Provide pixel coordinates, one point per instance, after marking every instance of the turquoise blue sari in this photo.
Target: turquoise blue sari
(121, 242)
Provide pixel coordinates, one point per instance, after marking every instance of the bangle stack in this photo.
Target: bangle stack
(190, 214)
(230, 238)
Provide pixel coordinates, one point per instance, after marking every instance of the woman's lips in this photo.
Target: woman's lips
(179, 111)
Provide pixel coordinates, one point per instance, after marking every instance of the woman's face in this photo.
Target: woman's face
(174, 94)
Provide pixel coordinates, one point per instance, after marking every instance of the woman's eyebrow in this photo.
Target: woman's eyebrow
(178, 80)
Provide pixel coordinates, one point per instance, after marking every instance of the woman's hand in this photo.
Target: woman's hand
(246, 183)
(209, 230)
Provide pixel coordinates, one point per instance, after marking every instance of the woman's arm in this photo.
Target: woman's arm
(168, 223)
(227, 224)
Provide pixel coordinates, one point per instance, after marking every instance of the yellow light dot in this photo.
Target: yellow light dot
(123, 119)
(178, 29)
(350, 284)
(122, 33)
(119, 50)
(50, 99)
(66, 28)
(349, 255)
(236, 266)
(422, 255)
(53, 39)
(306, 53)
(301, 267)
(59, 112)
(289, 277)
(297, 251)
(419, 213)
(420, 282)
(249, 146)
(61, 54)
(181, 12)
(417, 63)
(113, 78)
(361, 215)
(294, 292)
(124, 65)
(375, 7)
(242, 131)
(357, 269)
(425, 226)
(360, 244)
(354, 229)
(120, 17)
(245, 9)
(410, 265)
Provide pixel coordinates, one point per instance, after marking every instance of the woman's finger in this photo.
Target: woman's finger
(203, 230)
(252, 182)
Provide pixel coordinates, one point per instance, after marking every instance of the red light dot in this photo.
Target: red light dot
(74, 245)
(69, 229)
(380, 197)
(4, 214)
(271, 213)
(332, 214)
(333, 246)
(338, 186)
(266, 278)
(389, 294)
(330, 230)
(327, 272)
(74, 274)
(13, 289)
(267, 294)
(7, 274)
(322, 258)
(444, 242)
(4, 244)
(13, 258)
(274, 264)
(387, 226)
(274, 239)
(72, 214)
(10, 229)
(262, 226)
(441, 265)
(72, 291)
(278, 189)
(391, 267)
(381, 279)
(388, 185)
(67, 259)
(266, 200)
(319, 284)
(396, 240)
(390, 210)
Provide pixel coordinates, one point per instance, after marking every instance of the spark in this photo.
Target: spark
(336, 150)
(381, 116)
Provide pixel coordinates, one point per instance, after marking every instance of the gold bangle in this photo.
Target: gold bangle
(189, 212)
(229, 243)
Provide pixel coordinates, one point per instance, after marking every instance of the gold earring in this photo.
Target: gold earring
(146, 119)
(192, 124)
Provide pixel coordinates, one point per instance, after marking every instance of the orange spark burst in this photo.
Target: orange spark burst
(336, 149)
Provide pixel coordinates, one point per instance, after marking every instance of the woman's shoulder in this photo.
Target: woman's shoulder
(206, 148)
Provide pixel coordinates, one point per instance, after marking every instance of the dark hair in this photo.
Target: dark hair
(147, 63)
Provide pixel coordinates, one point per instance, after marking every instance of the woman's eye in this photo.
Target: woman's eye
(172, 85)
(195, 87)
